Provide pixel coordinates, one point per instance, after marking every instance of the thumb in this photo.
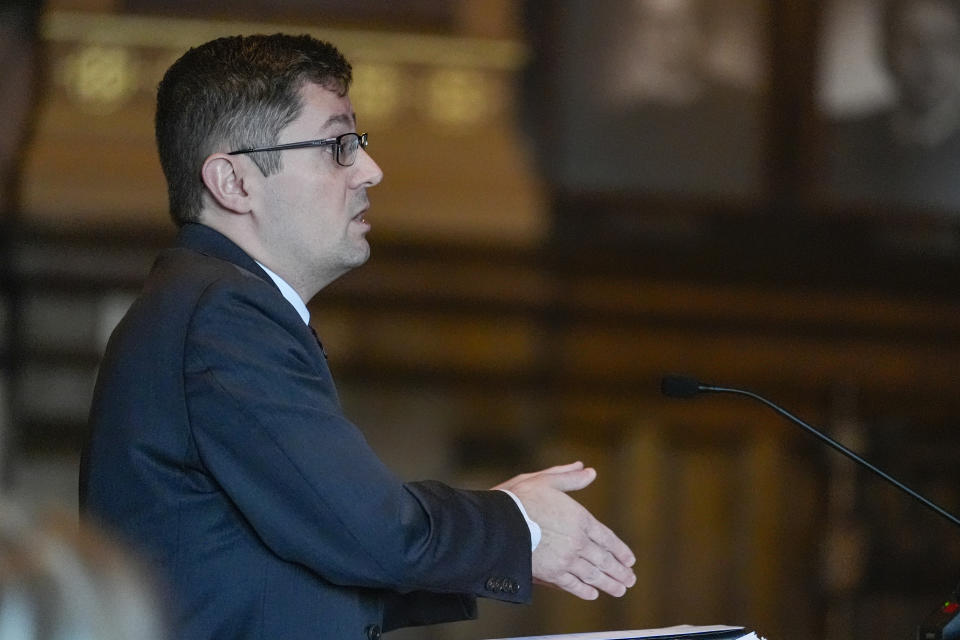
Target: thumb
(563, 468)
(572, 480)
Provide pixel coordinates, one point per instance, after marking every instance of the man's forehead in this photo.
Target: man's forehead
(326, 108)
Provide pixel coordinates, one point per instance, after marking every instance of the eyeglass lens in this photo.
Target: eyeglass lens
(347, 149)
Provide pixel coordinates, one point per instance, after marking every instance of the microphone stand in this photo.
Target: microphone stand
(944, 622)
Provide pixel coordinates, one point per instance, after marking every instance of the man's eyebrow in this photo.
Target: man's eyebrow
(340, 118)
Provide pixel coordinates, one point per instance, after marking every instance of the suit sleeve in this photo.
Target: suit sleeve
(421, 607)
(268, 427)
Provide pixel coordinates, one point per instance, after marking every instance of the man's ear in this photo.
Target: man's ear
(226, 179)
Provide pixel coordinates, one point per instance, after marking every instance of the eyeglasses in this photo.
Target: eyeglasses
(345, 147)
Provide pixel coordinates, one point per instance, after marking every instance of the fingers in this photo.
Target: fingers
(572, 584)
(585, 580)
(604, 571)
(604, 560)
(572, 480)
(589, 573)
(563, 468)
(593, 571)
(607, 539)
(557, 469)
(574, 562)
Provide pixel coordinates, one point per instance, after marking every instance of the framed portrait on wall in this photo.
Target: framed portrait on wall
(888, 106)
(651, 96)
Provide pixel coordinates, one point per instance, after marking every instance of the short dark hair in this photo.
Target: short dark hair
(235, 92)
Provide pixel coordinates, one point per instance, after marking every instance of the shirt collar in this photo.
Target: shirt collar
(289, 293)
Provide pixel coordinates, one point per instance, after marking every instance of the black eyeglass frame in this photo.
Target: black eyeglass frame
(306, 144)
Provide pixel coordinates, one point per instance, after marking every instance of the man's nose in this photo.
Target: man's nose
(368, 170)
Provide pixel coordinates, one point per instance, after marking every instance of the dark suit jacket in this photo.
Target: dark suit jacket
(219, 450)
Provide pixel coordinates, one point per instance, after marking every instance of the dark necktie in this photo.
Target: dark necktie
(319, 344)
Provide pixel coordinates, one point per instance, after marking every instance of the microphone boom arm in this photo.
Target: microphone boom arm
(833, 443)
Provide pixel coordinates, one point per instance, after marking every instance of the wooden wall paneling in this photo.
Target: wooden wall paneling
(762, 541)
(641, 477)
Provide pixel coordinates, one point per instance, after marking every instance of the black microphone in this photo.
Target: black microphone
(674, 386)
(944, 622)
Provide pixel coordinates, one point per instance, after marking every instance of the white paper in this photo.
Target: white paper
(683, 629)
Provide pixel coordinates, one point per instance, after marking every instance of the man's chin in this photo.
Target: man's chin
(361, 255)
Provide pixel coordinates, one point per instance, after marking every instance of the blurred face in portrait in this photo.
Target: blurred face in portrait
(658, 53)
(670, 35)
(923, 53)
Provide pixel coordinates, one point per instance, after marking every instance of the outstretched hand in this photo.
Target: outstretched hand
(577, 553)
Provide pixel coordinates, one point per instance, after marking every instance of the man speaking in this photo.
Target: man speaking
(218, 446)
